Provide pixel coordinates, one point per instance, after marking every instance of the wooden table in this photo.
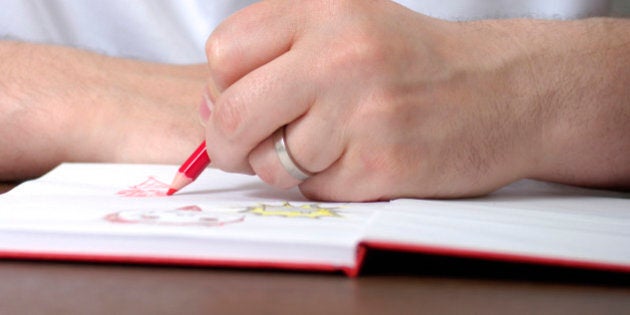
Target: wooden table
(392, 284)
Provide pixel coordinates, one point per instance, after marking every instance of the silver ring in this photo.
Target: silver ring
(285, 157)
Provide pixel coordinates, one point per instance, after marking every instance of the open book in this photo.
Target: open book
(119, 213)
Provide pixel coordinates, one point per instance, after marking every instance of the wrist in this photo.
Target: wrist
(590, 135)
(496, 60)
(33, 122)
(569, 80)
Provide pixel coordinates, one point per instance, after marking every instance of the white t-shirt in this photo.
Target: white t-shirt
(175, 31)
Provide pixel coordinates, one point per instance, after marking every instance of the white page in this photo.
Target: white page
(527, 218)
(113, 208)
(65, 211)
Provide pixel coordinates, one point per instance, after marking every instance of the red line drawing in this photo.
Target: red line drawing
(151, 187)
(184, 216)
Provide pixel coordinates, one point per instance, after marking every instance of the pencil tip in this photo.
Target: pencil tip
(171, 191)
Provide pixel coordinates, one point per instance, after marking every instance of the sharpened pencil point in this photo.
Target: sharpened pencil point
(171, 191)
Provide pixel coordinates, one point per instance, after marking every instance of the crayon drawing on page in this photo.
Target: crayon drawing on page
(151, 187)
(194, 215)
(183, 216)
(287, 210)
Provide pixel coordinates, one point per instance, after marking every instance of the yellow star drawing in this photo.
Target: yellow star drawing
(311, 211)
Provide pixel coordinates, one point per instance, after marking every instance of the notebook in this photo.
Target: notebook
(120, 213)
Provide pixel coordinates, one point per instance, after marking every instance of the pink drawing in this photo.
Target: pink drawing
(149, 188)
(183, 216)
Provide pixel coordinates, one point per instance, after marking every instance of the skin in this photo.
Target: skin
(63, 104)
(382, 102)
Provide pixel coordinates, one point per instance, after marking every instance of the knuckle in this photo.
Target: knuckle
(267, 175)
(261, 159)
(271, 175)
(355, 52)
(304, 155)
(224, 157)
(382, 109)
(222, 56)
(229, 115)
(226, 162)
(367, 49)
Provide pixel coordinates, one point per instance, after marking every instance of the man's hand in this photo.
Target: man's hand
(62, 104)
(381, 102)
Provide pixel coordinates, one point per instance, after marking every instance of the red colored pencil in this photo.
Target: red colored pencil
(191, 169)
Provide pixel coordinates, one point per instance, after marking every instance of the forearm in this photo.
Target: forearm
(62, 104)
(553, 98)
(582, 71)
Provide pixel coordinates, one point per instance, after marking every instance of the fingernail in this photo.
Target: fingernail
(205, 109)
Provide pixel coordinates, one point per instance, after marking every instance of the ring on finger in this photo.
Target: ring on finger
(286, 159)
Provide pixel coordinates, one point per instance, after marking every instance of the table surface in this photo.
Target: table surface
(392, 283)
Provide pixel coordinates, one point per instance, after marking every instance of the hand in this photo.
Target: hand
(381, 102)
(62, 104)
